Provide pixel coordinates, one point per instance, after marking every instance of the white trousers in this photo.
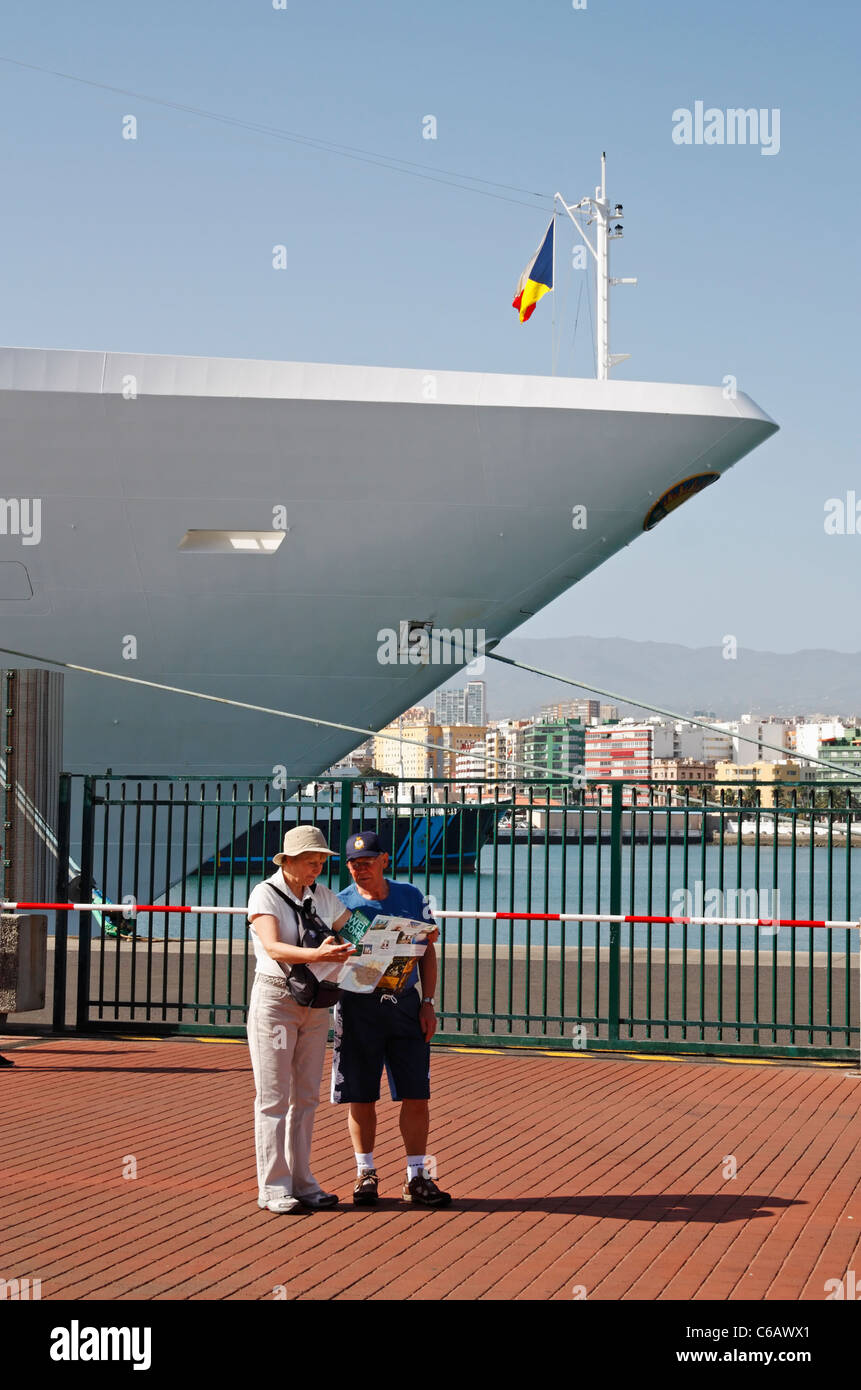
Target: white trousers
(288, 1047)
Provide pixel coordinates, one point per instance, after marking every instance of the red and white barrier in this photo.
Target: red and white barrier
(131, 909)
(200, 909)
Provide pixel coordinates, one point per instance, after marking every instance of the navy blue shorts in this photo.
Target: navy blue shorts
(378, 1030)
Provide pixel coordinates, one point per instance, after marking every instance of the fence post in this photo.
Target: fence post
(345, 827)
(61, 919)
(613, 982)
(85, 919)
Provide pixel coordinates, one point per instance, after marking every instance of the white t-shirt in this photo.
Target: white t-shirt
(264, 899)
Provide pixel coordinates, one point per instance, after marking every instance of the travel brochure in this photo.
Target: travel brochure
(387, 949)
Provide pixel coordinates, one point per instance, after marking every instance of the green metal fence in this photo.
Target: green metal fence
(679, 850)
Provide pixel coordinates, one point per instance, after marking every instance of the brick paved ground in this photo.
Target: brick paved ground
(567, 1170)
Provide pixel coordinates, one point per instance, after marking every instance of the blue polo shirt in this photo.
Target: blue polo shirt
(403, 900)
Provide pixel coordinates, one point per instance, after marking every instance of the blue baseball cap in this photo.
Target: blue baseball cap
(364, 845)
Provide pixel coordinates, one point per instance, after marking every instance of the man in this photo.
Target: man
(390, 1027)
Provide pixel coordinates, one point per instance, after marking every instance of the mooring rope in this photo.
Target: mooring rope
(556, 773)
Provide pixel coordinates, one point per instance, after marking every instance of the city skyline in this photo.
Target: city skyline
(750, 748)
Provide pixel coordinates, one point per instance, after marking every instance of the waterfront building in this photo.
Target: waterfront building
(703, 745)
(409, 758)
(664, 738)
(470, 762)
(681, 770)
(504, 750)
(757, 740)
(686, 741)
(454, 738)
(844, 753)
(767, 776)
(619, 750)
(810, 734)
(557, 744)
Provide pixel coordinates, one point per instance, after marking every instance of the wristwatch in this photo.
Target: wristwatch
(428, 999)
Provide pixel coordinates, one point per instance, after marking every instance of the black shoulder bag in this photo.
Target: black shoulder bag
(305, 988)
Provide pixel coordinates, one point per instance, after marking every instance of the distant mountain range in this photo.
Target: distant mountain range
(678, 678)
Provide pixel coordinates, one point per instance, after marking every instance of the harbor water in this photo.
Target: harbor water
(667, 880)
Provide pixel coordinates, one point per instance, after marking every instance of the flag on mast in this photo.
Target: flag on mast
(537, 278)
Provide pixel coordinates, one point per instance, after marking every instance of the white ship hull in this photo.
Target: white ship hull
(439, 497)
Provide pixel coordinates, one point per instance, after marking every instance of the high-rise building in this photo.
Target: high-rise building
(448, 706)
(464, 706)
(475, 703)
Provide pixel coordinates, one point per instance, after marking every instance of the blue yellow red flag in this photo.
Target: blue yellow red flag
(537, 278)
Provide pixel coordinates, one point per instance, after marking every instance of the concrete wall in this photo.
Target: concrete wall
(23, 962)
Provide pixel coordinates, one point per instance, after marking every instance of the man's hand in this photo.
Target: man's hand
(427, 1019)
(432, 933)
(333, 950)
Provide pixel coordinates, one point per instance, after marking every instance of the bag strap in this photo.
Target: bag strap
(298, 908)
(310, 916)
(312, 919)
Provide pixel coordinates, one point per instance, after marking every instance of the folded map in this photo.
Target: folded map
(386, 952)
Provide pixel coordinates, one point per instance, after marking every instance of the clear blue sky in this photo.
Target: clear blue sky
(747, 263)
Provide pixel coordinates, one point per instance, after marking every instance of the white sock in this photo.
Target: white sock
(415, 1166)
(364, 1162)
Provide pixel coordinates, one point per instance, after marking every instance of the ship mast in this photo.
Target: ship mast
(608, 227)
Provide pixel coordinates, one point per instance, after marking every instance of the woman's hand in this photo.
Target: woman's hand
(333, 950)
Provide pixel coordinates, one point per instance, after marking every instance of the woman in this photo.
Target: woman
(287, 1039)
